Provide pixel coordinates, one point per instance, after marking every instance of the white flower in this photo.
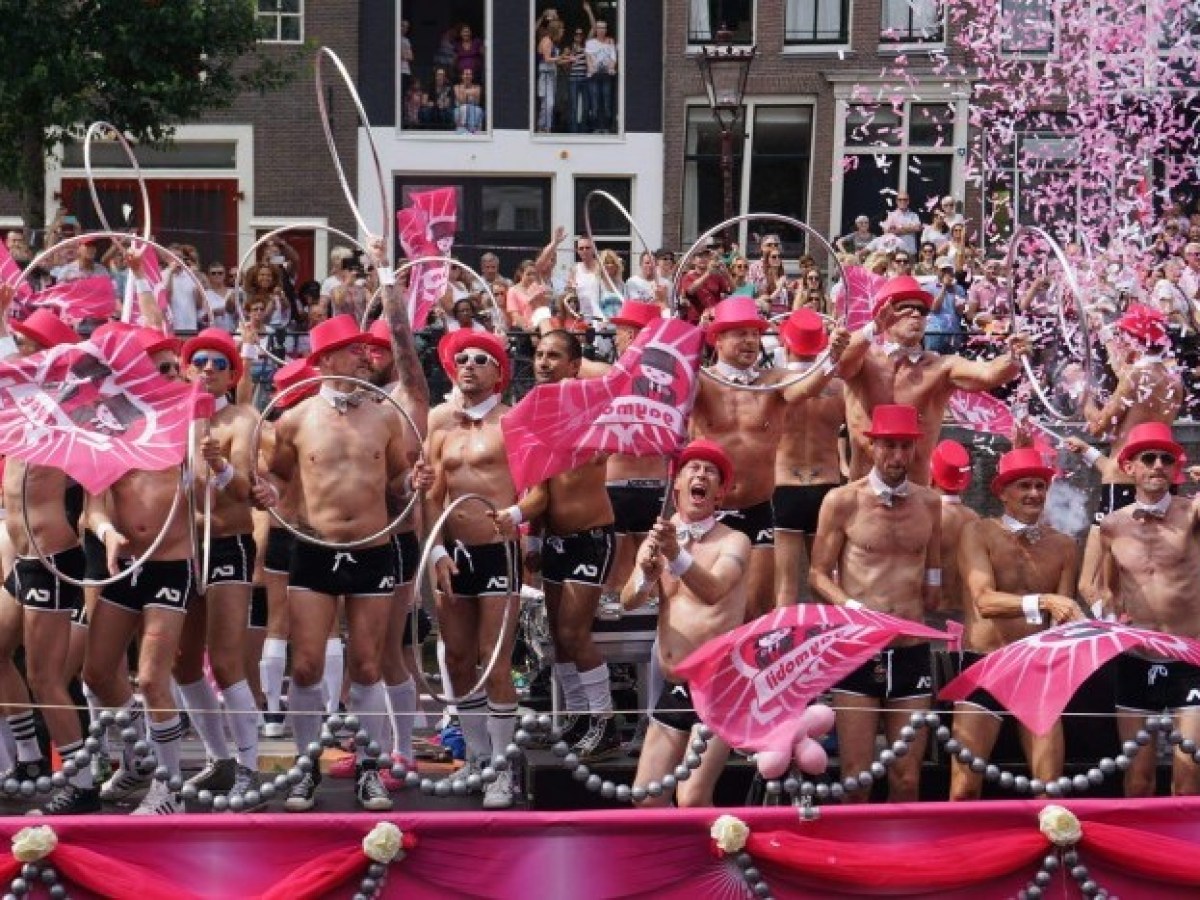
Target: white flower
(730, 833)
(31, 844)
(383, 844)
(1060, 826)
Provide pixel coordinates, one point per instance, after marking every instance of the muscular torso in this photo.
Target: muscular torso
(46, 492)
(808, 447)
(138, 505)
(579, 500)
(232, 426)
(1158, 396)
(748, 425)
(622, 466)
(470, 459)
(954, 517)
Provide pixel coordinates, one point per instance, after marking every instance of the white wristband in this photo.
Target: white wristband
(142, 286)
(437, 554)
(680, 564)
(933, 577)
(868, 330)
(8, 346)
(104, 530)
(828, 367)
(853, 604)
(1090, 455)
(387, 275)
(514, 513)
(221, 479)
(640, 584)
(1031, 606)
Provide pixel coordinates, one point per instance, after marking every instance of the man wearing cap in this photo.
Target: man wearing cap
(1019, 578)
(1150, 553)
(950, 476)
(217, 621)
(900, 371)
(40, 498)
(697, 567)
(808, 462)
(878, 546)
(347, 453)
(748, 424)
(479, 577)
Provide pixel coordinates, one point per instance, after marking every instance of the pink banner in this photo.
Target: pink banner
(427, 229)
(74, 301)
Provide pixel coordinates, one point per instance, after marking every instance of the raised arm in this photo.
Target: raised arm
(977, 375)
(413, 388)
(544, 264)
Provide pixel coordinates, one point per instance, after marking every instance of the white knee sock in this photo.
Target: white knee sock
(501, 723)
(242, 715)
(332, 679)
(596, 687)
(369, 703)
(204, 710)
(167, 737)
(573, 694)
(447, 685)
(270, 670)
(94, 708)
(137, 721)
(472, 715)
(24, 731)
(403, 699)
(306, 706)
(8, 746)
(83, 775)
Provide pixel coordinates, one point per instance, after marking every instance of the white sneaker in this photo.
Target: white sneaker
(160, 800)
(122, 785)
(499, 794)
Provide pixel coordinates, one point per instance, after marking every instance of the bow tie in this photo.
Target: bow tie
(473, 415)
(896, 352)
(1031, 534)
(736, 375)
(885, 492)
(1146, 513)
(693, 531)
(341, 402)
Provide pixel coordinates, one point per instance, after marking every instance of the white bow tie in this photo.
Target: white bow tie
(339, 401)
(694, 531)
(1029, 533)
(736, 375)
(885, 492)
(1145, 511)
(894, 350)
(477, 412)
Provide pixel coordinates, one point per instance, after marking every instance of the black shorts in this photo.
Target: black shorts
(231, 560)
(365, 572)
(483, 569)
(33, 586)
(979, 697)
(898, 673)
(636, 504)
(258, 607)
(167, 585)
(1151, 686)
(79, 616)
(797, 506)
(408, 556)
(674, 709)
(584, 557)
(96, 566)
(1114, 497)
(756, 522)
(278, 558)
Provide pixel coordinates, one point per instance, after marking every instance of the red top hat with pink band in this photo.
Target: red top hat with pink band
(636, 314)
(1144, 323)
(45, 329)
(803, 333)
(733, 313)
(465, 339)
(950, 467)
(899, 289)
(154, 341)
(219, 340)
(1150, 436)
(334, 334)
(895, 420)
(380, 335)
(1024, 462)
(293, 372)
(708, 451)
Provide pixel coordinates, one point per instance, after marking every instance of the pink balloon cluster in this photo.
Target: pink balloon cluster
(809, 755)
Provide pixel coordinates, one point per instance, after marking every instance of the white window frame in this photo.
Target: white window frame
(695, 48)
(277, 18)
(816, 48)
(896, 48)
(1056, 39)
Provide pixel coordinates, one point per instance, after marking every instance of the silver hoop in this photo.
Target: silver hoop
(323, 109)
(701, 241)
(587, 225)
(112, 579)
(1089, 384)
(423, 568)
(256, 439)
(447, 260)
(137, 171)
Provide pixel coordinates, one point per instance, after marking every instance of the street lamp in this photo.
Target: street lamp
(725, 68)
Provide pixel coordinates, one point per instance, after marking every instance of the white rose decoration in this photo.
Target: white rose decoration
(730, 833)
(1060, 826)
(383, 844)
(32, 844)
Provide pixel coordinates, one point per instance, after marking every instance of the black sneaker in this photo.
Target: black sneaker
(70, 801)
(303, 795)
(245, 781)
(26, 771)
(601, 740)
(369, 790)
(218, 775)
(574, 726)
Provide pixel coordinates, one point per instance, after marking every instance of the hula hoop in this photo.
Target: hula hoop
(256, 440)
(448, 260)
(722, 226)
(423, 568)
(137, 170)
(1068, 271)
(587, 225)
(296, 226)
(112, 579)
(204, 541)
(323, 109)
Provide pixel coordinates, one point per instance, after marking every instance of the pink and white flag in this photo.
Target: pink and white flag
(130, 311)
(427, 229)
(639, 408)
(982, 412)
(857, 296)
(10, 273)
(74, 301)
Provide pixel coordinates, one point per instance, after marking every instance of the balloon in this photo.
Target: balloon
(809, 755)
(773, 763)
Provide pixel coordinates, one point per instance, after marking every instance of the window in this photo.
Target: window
(569, 37)
(708, 18)
(1027, 27)
(913, 22)
(817, 22)
(444, 85)
(281, 21)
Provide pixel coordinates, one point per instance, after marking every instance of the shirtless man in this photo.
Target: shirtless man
(1150, 553)
(38, 607)
(749, 425)
(702, 594)
(347, 452)
(808, 462)
(1019, 575)
(881, 535)
(950, 476)
(218, 620)
(466, 450)
(576, 557)
(900, 371)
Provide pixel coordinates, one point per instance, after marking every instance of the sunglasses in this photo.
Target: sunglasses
(1150, 458)
(168, 368)
(216, 271)
(476, 359)
(913, 308)
(900, 259)
(202, 360)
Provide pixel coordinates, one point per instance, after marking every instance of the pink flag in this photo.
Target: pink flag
(96, 410)
(858, 296)
(981, 412)
(74, 301)
(427, 229)
(131, 312)
(750, 684)
(640, 408)
(10, 273)
(1036, 677)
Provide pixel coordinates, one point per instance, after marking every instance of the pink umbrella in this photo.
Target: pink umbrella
(1036, 677)
(751, 684)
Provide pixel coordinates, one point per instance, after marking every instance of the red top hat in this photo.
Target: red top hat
(466, 339)
(293, 372)
(1024, 462)
(735, 312)
(154, 341)
(334, 334)
(803, 333)
(894, 420)
(1144, 323)
(45, 329)
(898, 289)
(219, 340)
(709, 451)
(636, 314)
(1150, 436)
(950, 467)
(380, 335)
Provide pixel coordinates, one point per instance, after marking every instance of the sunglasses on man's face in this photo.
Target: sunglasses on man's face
(203, 360)
(1150, 457)
(479, 359)
(912, 308)
(168, 367)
